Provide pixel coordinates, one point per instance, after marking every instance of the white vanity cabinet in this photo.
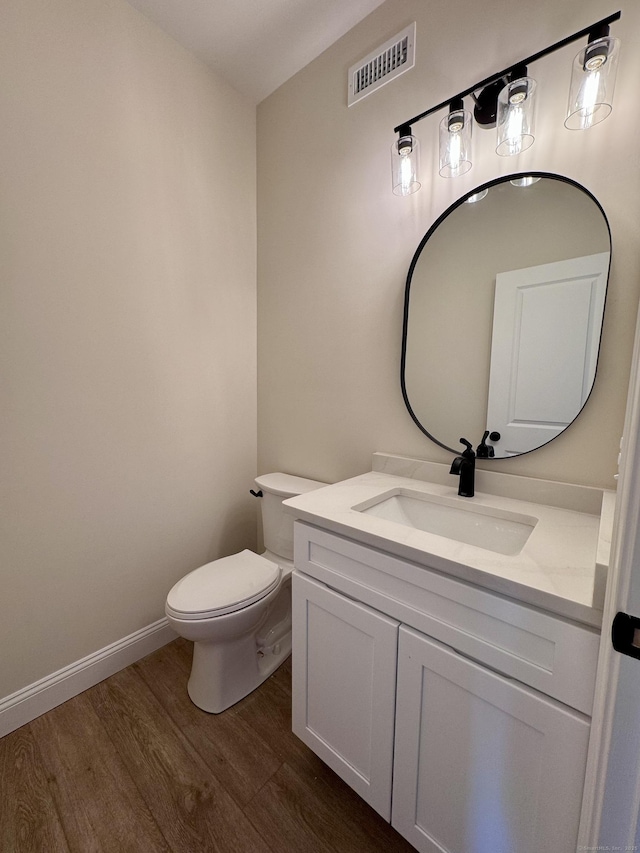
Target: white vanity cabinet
(416, 688)
(346, 656)
(482, 764)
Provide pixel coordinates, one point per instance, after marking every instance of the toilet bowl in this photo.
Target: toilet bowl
(237, 610)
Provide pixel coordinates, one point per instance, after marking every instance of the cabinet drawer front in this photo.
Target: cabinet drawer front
(344, 679)
(546, 652)
(482, 764)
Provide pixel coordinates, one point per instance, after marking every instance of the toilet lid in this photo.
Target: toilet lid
(223, 586)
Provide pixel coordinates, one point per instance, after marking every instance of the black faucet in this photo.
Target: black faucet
(465, 467)
(484, 450)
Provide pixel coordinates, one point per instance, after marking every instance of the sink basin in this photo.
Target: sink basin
(493, 529)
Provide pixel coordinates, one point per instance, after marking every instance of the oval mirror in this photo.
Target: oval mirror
(503, 314)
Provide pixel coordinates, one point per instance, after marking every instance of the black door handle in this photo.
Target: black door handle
(625, 634)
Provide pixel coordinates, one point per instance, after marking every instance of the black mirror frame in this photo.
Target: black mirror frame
(405, 321)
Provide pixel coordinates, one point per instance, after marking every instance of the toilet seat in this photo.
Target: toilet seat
(223, 586)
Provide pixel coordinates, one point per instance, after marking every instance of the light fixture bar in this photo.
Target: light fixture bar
(494, 77)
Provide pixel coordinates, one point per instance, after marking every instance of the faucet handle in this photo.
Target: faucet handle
(484, 451)
(469, 451)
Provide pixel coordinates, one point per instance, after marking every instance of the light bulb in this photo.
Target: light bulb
(405, 164)
(406, 172)
(587, 101)
(516, 117)
(514, 129)
(455, 151)
(455, 143)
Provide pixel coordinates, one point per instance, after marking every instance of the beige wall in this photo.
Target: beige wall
(335, 245)
(128, 326)
(127, 290)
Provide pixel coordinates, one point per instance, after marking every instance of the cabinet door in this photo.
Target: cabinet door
(482, 764)
(344, 677)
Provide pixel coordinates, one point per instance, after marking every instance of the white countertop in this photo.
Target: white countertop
(561, 568)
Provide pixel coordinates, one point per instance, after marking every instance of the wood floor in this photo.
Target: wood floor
(133, 765)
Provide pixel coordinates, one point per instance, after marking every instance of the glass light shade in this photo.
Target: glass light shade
(516, 117)
(593, 79)
(455, 144)
(405, 165)
(477, 196)
(524, 182)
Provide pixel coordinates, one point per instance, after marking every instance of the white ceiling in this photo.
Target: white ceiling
(256, 44)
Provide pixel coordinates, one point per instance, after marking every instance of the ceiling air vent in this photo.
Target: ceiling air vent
(382, 65)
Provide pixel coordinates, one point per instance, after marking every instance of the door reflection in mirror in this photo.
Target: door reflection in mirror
(544, 349)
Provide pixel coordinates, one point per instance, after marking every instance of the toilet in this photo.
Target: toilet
(237, 610)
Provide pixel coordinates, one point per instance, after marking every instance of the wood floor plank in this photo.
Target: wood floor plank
(100, 806)
(183, 650)
(132, 765)
(237, 756)
(367, 830)
(308, 823)
(313, 782)
(268, 712)
(29, 822)
(192, 809)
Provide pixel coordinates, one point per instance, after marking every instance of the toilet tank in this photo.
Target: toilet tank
(277, 525)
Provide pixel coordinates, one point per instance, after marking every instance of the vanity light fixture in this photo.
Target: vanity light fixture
(455, 140)
(405, 163)
(515, 116)
(592, 80)
(506, 100)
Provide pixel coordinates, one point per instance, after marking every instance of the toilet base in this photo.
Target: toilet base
(235, 652)
(224, 673)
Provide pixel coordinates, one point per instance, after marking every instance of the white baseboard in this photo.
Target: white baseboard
(41, 696)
